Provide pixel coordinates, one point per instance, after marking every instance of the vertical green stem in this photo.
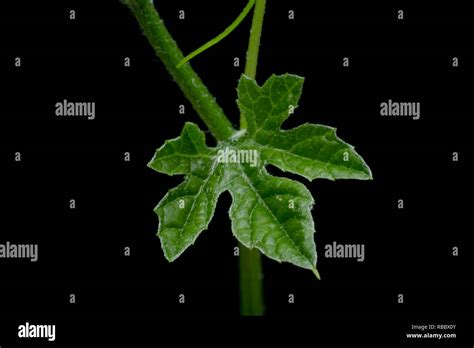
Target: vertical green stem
(254, 46)
(251, 285)
(254, 42)
(187, 79)
(251, 276)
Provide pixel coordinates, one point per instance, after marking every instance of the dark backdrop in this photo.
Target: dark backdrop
(135, 299)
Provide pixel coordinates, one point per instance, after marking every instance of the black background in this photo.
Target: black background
(134, 299)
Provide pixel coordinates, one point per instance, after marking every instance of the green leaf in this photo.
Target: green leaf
(312, 151)
(186, 210)
(186, 154)
(269, 213)
(273, 215)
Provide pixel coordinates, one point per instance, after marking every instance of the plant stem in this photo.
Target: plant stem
(251, 276)
(187, 79)
(254, 46)
(251, 287)
(254, 42)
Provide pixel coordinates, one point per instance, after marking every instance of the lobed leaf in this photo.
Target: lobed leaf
(184, 154)
(186, 210)
(269, 213)
(273, 215)
(312, 151)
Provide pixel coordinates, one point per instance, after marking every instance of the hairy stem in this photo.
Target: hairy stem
(187, 79)
(251, 276)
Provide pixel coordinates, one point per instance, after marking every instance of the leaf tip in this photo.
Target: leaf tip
(150, 163)
(369, 174)
(366, 173)
(316, 273)
(169, 256)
